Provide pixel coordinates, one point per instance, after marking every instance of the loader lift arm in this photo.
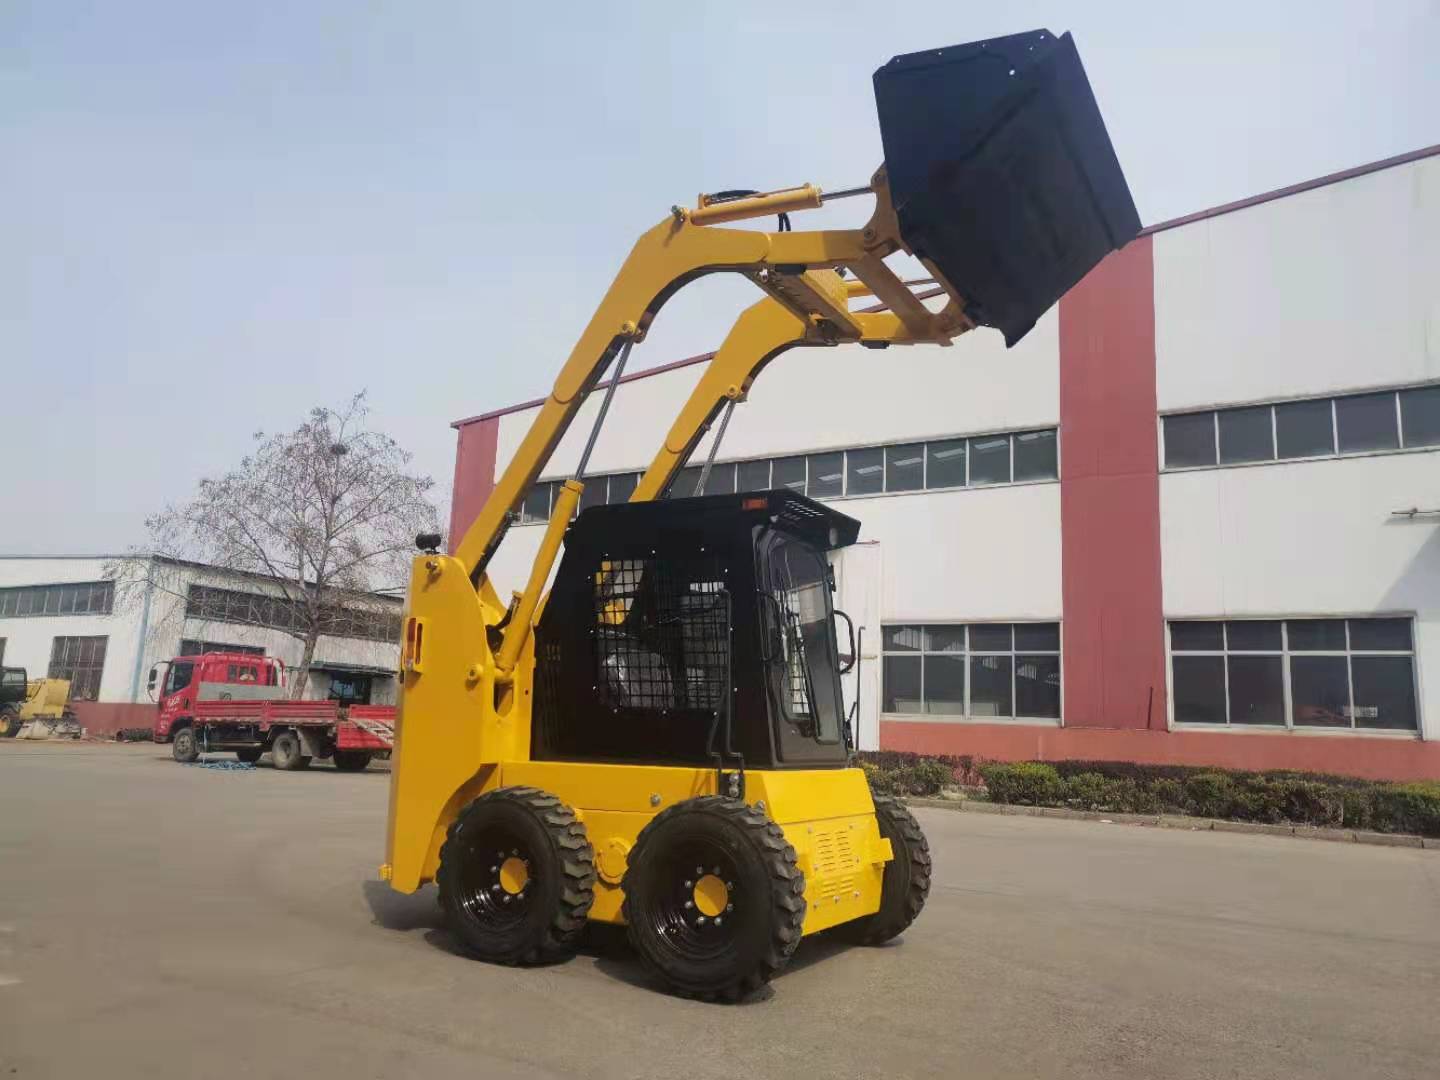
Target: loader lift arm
(797, 269)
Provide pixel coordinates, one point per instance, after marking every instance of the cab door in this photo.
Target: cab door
(857, 593)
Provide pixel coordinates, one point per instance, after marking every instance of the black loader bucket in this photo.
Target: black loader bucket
(1002, 173)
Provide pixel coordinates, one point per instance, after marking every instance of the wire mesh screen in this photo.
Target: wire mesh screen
(662, 633)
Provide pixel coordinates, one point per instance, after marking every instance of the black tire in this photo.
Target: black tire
(250, 755)
(183, 746)
(351, 760)
(699, 955)
(907, 877)
(287, 753)
(542, 920)
(10, 723)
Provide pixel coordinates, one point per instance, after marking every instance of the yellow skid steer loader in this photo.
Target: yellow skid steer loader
(660, 740)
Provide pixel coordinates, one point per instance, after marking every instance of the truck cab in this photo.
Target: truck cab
(217, 676)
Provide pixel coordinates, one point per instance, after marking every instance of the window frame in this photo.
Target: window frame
(85, 675)
(1396, 393)
(924, 486)
(58, 600)
(1285, 653)
(967, 655)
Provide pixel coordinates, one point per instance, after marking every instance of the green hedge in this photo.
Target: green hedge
(1297, 798)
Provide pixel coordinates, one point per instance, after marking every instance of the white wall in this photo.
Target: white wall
(982, 553)
(28, 640)
(1309, 538)
(1337, 288)
(814, 399)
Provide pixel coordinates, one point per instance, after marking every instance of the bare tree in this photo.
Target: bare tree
(325, 511)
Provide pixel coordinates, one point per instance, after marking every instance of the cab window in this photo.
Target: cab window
(181, 672)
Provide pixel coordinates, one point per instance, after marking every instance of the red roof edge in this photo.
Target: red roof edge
(1199, 215)
(1295, 189)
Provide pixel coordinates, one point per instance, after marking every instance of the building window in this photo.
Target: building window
(82, 661)
(350, 689)
(1356, 674)
(535, 507)
(973, 461)
(276, 612)
(1322, 427)
(194, 647)
(80, 598)
(981, 671)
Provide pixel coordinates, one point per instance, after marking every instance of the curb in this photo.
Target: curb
(1189, 824)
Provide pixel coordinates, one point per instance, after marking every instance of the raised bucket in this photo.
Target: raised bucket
(1002, 173)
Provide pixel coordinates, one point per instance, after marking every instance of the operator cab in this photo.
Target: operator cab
(695, 631)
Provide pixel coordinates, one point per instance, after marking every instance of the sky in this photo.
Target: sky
(216, 216)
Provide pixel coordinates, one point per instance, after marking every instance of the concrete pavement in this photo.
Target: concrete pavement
(160, 921)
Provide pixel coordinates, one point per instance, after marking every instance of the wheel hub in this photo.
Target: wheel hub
(710, 896)
(514, 875)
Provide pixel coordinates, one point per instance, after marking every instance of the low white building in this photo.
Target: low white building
(103, 621)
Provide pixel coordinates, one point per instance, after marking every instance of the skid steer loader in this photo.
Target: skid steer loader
(660, 740)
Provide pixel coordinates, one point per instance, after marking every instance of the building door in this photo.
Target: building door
(857, 593)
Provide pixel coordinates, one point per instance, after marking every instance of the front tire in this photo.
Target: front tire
(906, 883)
(287, 752)
(10, 723)
(517, 877)
(351, 760)
(713, 897)
(184, 747)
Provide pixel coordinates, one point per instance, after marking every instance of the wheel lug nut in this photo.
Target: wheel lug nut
(718, 920)
(701, 920)
(729, 907)
(689, 904)
(494, 869)
(507, 898)
(699, 871)
(689, 884)
(716, 871)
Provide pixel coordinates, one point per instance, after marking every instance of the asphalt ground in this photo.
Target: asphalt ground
(164, 921)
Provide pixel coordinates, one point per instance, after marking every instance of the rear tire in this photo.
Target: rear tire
(517, 877)
(250, 756)
(287, 753)
(714, 900)
(351, 760)
(907, 877)
(184, 747)
(10, 723)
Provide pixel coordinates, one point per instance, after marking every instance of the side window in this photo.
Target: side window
(179, 677)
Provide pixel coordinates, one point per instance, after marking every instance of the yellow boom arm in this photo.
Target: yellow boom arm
(808, 305)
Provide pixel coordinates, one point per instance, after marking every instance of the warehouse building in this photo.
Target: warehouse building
(102, 621)
(1193, 517)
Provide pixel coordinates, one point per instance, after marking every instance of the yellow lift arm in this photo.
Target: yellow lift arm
(808, 304)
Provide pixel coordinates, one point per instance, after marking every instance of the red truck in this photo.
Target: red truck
(228, 701)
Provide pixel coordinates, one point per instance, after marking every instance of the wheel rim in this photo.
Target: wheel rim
(695, 910)
(186, 741)
(499, 878)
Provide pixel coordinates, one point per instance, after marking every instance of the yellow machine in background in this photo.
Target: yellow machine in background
(44, 701)
(660, 740)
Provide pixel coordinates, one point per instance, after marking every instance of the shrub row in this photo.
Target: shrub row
(1296, 798)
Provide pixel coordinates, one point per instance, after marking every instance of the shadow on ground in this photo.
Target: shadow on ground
(604, 943)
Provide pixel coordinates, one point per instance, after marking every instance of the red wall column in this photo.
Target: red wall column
(474, 473)
(1114, 645)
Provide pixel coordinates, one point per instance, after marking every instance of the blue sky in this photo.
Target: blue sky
(213, 217)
